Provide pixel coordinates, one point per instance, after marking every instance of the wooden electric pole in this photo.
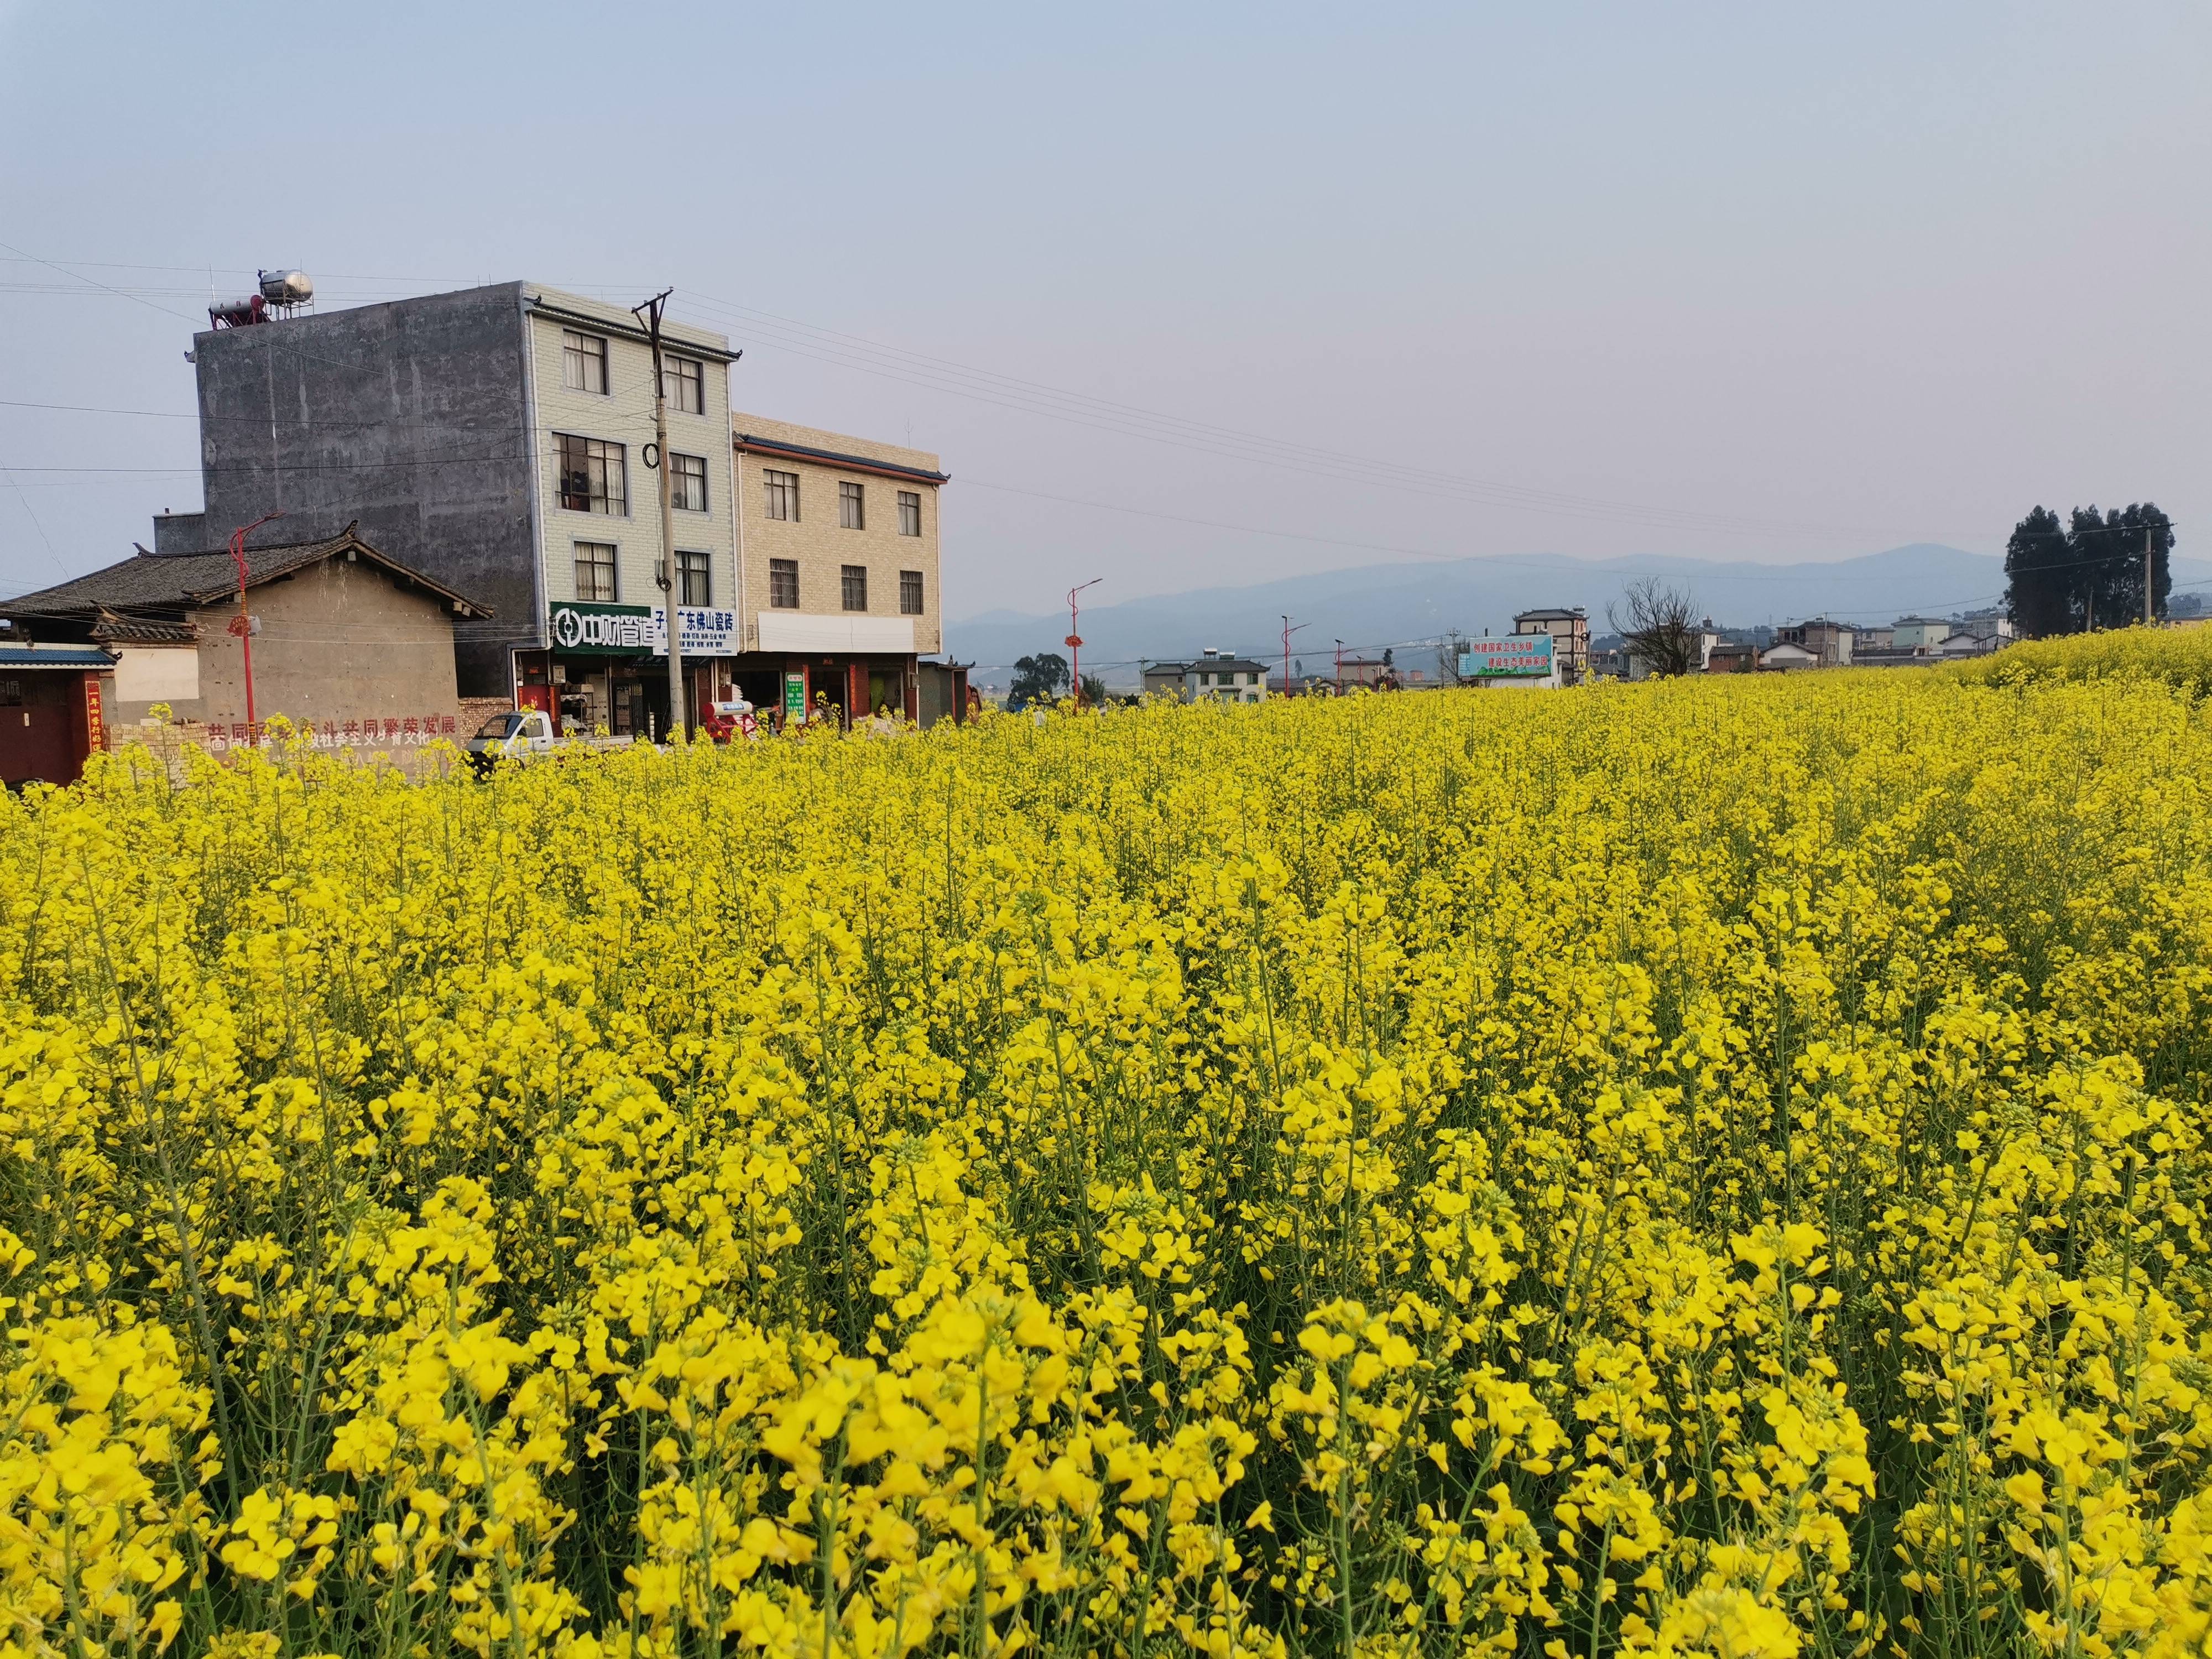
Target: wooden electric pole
(670, 578)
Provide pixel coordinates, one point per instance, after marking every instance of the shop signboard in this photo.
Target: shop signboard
(795, 696)
(1518, 656)
(634, 630)
(707, 631)
(602, 630)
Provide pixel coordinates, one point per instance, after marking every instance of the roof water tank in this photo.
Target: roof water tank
(287, 287)
(247, 309)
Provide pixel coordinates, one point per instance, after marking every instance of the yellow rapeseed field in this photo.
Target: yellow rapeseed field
(1716, 1168)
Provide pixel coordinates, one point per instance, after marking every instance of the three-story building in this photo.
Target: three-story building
(837, 548)
(498, 439)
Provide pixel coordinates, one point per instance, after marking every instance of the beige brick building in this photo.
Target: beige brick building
(838, 572)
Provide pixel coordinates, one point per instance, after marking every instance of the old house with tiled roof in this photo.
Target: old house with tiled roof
(338, 632)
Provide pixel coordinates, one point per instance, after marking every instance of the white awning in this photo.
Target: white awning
(836, 632)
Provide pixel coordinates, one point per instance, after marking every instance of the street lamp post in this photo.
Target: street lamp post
(1287, 631)
(240, 623)
(1074, 640)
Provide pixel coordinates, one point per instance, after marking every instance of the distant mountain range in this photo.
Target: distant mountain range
(1380, 605)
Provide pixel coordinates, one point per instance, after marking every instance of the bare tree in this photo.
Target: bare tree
(1658, 623)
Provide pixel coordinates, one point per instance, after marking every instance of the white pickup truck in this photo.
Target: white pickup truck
(520, 734)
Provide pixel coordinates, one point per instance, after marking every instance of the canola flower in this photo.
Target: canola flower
(1710, 1169)
(2180, 656)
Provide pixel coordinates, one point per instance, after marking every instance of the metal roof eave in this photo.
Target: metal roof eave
(631, 330)
(753, 446)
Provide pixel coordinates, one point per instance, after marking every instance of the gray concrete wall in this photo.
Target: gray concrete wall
(338, 642)
(182, 532)
(408, 417)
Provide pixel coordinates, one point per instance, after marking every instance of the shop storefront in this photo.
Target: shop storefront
(607, 666)
(787, 688)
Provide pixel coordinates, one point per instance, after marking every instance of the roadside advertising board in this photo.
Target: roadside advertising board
(1518, 656)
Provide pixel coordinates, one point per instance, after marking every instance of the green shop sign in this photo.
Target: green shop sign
(605, 630)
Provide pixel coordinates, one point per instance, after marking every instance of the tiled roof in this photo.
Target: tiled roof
(1215, 665)
(176, 581)
(111, 630)
(50, 656)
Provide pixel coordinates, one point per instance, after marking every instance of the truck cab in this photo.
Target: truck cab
(516, 734)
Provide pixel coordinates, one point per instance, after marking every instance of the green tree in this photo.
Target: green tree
(2039, 575)
(2089, 574)
(1040, 678)
(2108, 552)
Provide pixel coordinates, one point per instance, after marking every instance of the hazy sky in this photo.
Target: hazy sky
(1776, 283)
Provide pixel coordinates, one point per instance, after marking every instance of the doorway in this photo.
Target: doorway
(39, 735)
(887, 690)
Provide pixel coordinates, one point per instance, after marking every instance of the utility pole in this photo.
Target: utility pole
(2150, 534)
(242, 625)
(1340, 668)
(669, 579)
(1074, 640)
(1287, 631)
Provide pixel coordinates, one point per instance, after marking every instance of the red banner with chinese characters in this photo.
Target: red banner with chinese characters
(95, 729)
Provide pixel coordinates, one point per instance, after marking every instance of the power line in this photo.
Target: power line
(1082, 409)
(135, 299)
(1027, 395)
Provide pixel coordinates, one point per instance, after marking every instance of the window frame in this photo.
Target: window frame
(909, 503)
(613, 567)
(676, 471)
(910, 582)
(690, 562)
(612, 460)
(852, 578)
(689, 373)
(575, 351)
(780, 489)
(852, 504)
(780, 571)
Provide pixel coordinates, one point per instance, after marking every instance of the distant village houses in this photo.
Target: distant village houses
(1215, 674)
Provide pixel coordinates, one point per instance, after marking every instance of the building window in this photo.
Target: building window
(594, 476)
(693, 586)
(909, 513)
(849, 514)
(782, 495)
(583, 361)
(783, 584)
(910, 592)
(684, 383)
(595, 572)
(855, 585)
(687, 482)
